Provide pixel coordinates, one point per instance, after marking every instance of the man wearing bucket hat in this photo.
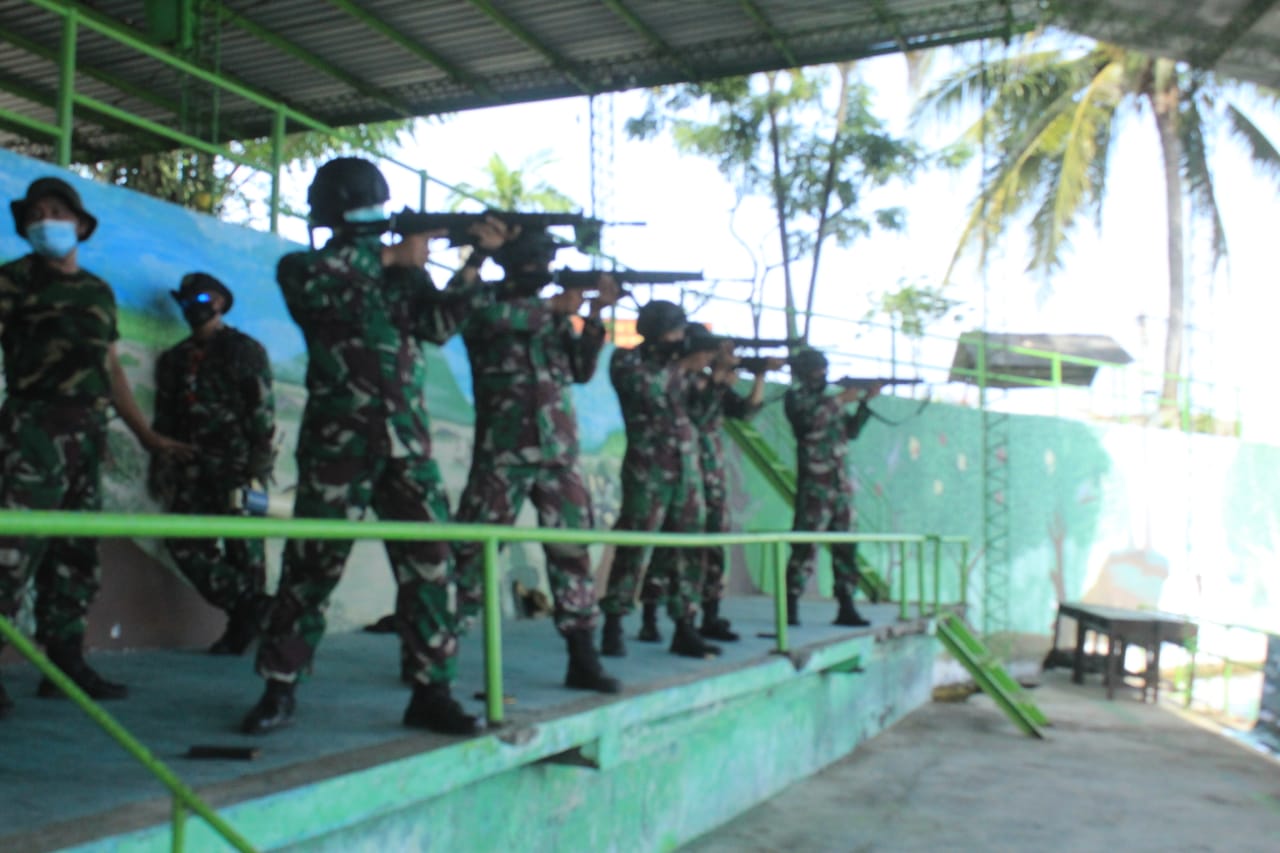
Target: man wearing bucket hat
(213, 390)
(62, 372)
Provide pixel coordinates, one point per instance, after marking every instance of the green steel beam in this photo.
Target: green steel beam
(557, 61)
(66, 90)
(650, 35)
(24, 123)
(300, 53)
(756, 14)
(112, 80)
(181, 792)
(426, 54)
(160, 130)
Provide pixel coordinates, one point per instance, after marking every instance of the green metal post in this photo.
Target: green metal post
(277, 163)
(964, 573)
(178, 833)
(780, 593)
(422, 189)
(937, 574)
(903, 571)
(492, 634)
(66, 88)
(921, 591)
(1055, 365)
(121, 736)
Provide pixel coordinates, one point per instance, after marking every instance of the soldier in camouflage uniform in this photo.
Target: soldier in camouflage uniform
(213, 390)
(661, 480)
(62, 373)
(365, 309)
(525, 355)
(713, 399)
(824, 492)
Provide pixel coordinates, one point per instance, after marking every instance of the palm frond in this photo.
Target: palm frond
(1199, 178)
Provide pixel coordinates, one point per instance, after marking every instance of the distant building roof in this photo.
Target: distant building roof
(1026, 360)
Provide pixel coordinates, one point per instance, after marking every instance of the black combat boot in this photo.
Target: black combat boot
(713, 626)
(847, 614)
(432, 708)
(68, 656)
(585, 671)
(793, 609)
(244, 623)
(274, 710)
(611, 642)
(649, 632)
(686, 642)
(6, 704)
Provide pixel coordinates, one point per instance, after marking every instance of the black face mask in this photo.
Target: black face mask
(666, 350)
(529, 282)
(197, 309)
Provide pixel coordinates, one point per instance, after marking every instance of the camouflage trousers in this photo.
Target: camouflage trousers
(494, 495)
(658, 500)
(51, 459)
(397, 489)
(822, 507)
(716, 501)
(229, 573)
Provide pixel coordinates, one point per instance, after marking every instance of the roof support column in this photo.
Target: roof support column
(277, 163)
(66, 88)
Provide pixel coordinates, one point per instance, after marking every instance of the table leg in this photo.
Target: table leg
(1155, 666)
(1111, 666)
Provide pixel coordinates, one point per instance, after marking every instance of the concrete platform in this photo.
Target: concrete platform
(347, 763)
(1112, 775)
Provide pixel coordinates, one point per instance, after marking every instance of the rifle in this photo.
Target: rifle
(754, 363)
(873, 383)
(586, 229)
(765, 343)
(586, 279)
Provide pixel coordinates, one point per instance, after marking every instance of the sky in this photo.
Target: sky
(1112, 279)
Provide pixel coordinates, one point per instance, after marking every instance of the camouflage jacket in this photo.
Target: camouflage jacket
(523, 358)
(654, 397)
(823, 429)
(710, 402)
(364, 328)
(216, 395)
(55, 331)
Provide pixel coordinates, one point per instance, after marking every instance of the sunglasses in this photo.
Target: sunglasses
(198, 298)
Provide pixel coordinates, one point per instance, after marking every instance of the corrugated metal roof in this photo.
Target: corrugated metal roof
(347, 61)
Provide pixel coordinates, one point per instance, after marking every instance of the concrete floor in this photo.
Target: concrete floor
(1112, 776)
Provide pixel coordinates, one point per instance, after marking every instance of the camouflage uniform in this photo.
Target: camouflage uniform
(55, 331)
(364, 441)
(661, 481)
(824, 492)
(523, 358)
(216, 395)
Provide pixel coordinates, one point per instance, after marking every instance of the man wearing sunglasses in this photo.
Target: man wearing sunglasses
(213, 390)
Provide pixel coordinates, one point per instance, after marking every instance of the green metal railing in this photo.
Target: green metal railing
(115, 525)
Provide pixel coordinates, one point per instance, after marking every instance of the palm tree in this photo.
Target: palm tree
(1051, 115)
(514, 189)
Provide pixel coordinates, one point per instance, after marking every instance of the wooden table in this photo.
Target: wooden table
(1148, 629)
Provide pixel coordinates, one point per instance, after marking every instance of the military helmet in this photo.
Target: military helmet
(808, 361)
(698, 338)
(657, 317)
(48, 186)
(202, 282)
(343, 184)
(532, 246)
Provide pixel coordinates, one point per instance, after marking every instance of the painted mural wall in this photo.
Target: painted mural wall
(1106, 513)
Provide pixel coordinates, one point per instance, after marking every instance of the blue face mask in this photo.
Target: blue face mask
(373, 213)
(53, 238)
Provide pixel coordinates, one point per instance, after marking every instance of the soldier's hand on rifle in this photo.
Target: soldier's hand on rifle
(492, 233)
(608, 292)
(411, 251)
(566, 302)
(765, 365)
